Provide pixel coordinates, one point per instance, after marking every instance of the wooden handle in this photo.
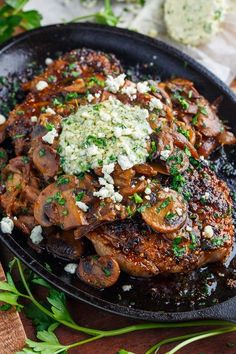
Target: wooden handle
(12, 334)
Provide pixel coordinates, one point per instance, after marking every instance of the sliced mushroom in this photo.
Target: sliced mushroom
(25, 223)
(151, 169)
(46, 160)
(63, 245)
(182, 142)
(207, 146)
(226, 138)
(123, 178)
(207, 120)
(39, 212)
(136, 187)
(77, 86)
(65, 182)
(3, 132)
(168, 214)
(99, 272)
(178, 162)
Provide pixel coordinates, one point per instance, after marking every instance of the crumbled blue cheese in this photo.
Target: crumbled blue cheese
(41, 85)
(48, 61)
(50, 136)
(113, 84)
(82, 206)
(179, 211)
(36, 234)
(165, 154)
(155, 103)
(208, 231)
(143, 87)
(34, 119)
(130, 90)
(71, 268)
(7, 225)
(2, 119)
(50, 111)
(127, 287)
(100, 134)
(148, 190)
(107, 191)
(90, 97)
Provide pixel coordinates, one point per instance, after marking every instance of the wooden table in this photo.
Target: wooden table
(86, 315)
(137, 342)
(12, 334)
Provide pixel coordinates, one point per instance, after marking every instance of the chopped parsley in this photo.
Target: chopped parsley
(203, 110)
(177, 249)
(184, 132)
(163, 204)
(137, 199)
(71, 96)
(49, 126)
(169, 216)
(181, 100)
(95, 81)
(219, 241)
(106, 271)
(79, 196)
(100, 142)
(42, 152)
(193, 243)
(62, 180)
(2, 154)
(52, 78)
(57, 198)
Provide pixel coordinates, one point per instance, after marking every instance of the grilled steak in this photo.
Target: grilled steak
(121, 163)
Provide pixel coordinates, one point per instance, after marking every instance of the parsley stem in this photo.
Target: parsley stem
(81, 18)
(207, 334)
(85, 341)
(31, 297)
(158, 345)
(116, 332)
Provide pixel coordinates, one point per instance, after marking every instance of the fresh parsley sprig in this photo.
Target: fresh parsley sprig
(105, 16)
(52, 312)
(13, 16)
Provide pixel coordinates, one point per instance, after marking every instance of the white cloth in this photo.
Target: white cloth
(219, 55)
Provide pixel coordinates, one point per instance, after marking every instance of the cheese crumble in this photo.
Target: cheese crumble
(102, 134)
(7, 225)
(36, 234)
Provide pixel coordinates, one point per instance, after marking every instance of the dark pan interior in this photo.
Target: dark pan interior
(201, 294)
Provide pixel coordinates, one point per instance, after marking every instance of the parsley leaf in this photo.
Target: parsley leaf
(13, 16)
(58, 301)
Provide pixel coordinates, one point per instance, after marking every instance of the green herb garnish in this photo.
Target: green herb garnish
(42, 152)
(184, 132)
(62, 180)
(47, 314)
(137, 199)
(177, 249)
(13, 16)
(79, 196)
(164, 204)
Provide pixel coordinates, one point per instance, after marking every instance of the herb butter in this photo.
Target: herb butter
(194, 22)
(100, 134)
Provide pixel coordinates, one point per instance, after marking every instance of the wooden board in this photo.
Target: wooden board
(12, 334)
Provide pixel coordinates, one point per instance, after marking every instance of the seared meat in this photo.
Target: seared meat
(160, 210)
(140, 251)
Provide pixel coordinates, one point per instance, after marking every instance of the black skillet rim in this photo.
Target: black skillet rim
(225, 310)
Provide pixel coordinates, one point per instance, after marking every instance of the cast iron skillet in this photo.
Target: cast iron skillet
(200, 295)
